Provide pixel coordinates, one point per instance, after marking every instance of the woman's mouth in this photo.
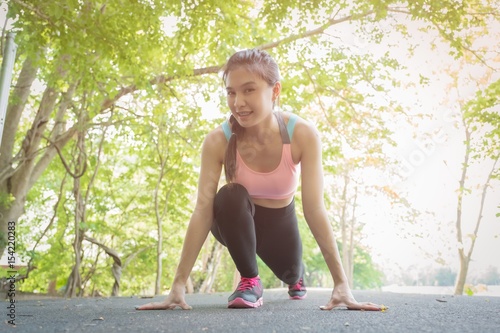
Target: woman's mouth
(243, 114)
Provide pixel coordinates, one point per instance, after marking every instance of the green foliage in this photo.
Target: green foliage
(366, 274)
(445, 277)
(469, 291)
(483, 111)
(6, 199)
(143, 74)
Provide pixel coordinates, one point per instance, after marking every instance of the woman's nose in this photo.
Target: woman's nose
(239, 100)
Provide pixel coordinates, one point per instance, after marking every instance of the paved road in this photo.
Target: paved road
(407, 313)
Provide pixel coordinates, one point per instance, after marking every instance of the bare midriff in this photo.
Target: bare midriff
(272, 203)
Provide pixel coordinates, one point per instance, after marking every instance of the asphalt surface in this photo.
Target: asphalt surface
(406, 313)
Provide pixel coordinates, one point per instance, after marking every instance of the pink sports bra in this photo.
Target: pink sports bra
(280, 183)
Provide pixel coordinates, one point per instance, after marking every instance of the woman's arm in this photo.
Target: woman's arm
(202, 217)
(316, 216)
(200, 222)
(313, 202)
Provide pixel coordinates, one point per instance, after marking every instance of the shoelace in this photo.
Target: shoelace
(297, 286)
(247, 283)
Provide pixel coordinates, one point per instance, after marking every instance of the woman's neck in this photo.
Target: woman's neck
(263, 131)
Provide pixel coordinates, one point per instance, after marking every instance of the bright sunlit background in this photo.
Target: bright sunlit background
(431, 154)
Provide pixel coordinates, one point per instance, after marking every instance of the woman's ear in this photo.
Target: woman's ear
(276, 90)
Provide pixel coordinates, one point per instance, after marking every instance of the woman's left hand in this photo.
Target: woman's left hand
(342, 297)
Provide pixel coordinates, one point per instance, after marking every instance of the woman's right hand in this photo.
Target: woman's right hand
(173, 300)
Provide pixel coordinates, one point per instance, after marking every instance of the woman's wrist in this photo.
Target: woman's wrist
(178, 285)
(340, 278)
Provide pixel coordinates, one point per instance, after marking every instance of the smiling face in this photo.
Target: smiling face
(250, 98)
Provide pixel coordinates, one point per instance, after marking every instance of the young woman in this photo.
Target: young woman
(263, 153)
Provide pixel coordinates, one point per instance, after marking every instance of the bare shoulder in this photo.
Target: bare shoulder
(215, 144)
(305, 139)
(216, 137)
(304, 130)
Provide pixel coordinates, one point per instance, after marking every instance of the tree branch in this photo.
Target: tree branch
(481, 207)
(51, 222)
(98, 162)
(33, 9)
(131, 256)
(160, 79)
(445, 35)
(50, 152)
(465, 167)
(316, 31)
(116, 269)
(20, 95)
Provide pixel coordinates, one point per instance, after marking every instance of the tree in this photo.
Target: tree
(479, 146)
(490, 277)
(112, 63)
(445, 277)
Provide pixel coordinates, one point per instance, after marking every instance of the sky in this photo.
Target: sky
(431, 165)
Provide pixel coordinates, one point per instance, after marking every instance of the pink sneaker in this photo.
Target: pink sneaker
(298, 290)
(248, 294)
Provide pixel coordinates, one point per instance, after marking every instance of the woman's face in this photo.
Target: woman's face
(249, 97)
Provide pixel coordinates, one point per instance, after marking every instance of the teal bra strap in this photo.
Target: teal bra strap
(291, 125)
(227, 130)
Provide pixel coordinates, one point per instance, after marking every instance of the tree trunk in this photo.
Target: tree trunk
(159, 216)
(161, 213)
(352, 230)
(15, 109)
(212, 267)
(17, 182)
(74, 282)
(52, 291)
(19, 173)
(159, 222)
(466, 258)
(116, 269)
(462, 274)
(343, 226)
(74, 286)
(464, 264)
(11, 211)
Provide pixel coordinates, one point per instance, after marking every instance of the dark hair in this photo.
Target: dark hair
(262, 64)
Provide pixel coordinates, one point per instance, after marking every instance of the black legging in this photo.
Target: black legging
(247, 229)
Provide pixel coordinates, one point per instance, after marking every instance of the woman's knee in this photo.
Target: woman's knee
(232, 196)
(291, 274)
(232, 190)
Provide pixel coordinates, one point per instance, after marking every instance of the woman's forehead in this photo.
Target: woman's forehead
(242, 76)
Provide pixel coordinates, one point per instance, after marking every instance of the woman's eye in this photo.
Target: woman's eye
(249, 90)
(230, 93)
